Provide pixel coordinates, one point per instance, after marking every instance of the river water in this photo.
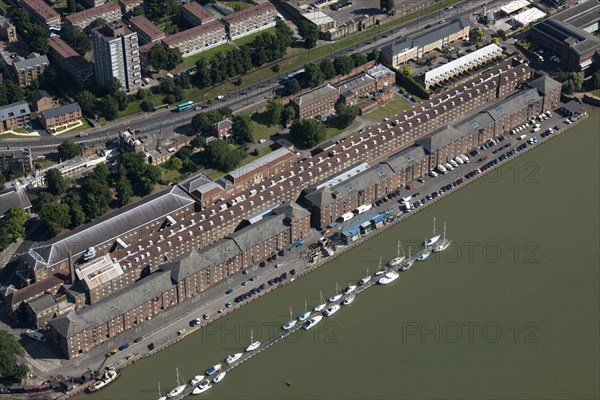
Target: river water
(510, 310)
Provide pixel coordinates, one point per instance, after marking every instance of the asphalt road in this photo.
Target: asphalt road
(170, 123)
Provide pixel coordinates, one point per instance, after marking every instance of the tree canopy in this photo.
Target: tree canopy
(572, 81)
(345, 114)
(242, 129)
(327, 69)
(68, 149)
(313, 75)
(56, 216)
(273, 113)
(160, 58)
(10, 348)
(15, 224)
(309, 32)
(55, 182)
(77, 39)
(387, 6)
(222, 156)
(343, 65)
(291, 86)
(308, 132)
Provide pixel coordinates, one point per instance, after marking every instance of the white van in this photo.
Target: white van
(433, 174)
(459, 160)
(522, 137)
(406, 199)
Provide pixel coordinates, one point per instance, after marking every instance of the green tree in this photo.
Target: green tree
(87, 101)
(374, 54)
(308, 132)
(359, 59)
(291, 86)
(113, 86)
(386, 6)
(96, 23)
(309, 32)
(595, 81)
(10, 349)
(137, 10)
(95, 192)
(158, 9)
(242, 129)
(15, 223)
(327, 69)
(343, 65)
(407, 70)
(502, 34)
(174, 163)
(109, 107)
(123, 190)
(197, 142)
(345, 114)
(477, 35)
(56, 216)
(68, 149)
(38, 39)
(73, 200)
(222, 156)
(273, 113)
(313, 75)
(77, 39)
(147, 106)
(161, 58)
(201, 123)
(288, 114)
(55, 182)
(495, 41)
(572, 81)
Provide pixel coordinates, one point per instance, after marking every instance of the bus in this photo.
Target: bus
(293, 74)
(188, 105)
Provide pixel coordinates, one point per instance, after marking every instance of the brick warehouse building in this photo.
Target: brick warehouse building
(77, 332)
(205, 226)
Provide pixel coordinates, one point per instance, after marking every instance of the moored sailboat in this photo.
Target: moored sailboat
(396, 261)
(431, 241)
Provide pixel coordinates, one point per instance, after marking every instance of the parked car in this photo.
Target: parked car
(229, 291)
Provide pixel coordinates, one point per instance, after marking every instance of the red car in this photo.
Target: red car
(326, 230)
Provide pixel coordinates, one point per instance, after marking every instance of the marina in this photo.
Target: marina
(346, 297)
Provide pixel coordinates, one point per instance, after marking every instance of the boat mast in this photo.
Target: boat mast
(177, 372)
(444, 231)
(401, 247)
(433, 226)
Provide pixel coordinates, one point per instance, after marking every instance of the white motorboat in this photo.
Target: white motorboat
(253, 345)
(389, 277)
(233, 358)
(321, 306)
(196, 380)
(337, 294)
(179, 388)
(291, 323)
(348, 300)
(444, 244)
(108, 377)
(304, 316)
(381, 270)
(423, 256)
(213, 370)
(396, 261)
(312, 322)
(349, 289)
(202, 388)
(329, 311)
(431, 241)
(219, 377)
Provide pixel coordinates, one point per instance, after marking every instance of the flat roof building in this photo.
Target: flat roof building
(110, 12)
(70, 60)
(414, 46)
(146, 29)
(198, 38)
(42, 13)
(250, 20)
(116, 54)
(569, 34)
(195, 14)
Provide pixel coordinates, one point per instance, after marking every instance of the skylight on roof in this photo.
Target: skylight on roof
(500, 110)
(474, 124)
(408, 157)
(380, 172)
(350, 188)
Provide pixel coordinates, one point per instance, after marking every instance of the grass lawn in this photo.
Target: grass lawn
(596, 92)
(86, 125)
(216, 174)
(238, 5)
(189, 62)
(20, 130)
(170, 176)
(13, 136)
(260, 130)
(45, 163)
(134, 106)
(331, 132)
(393, 107)
(247, 39)
(4, 5)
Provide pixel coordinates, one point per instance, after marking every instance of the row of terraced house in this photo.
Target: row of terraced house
(105, 277)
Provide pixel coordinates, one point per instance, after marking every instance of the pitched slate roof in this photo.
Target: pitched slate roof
(58, 111)
(266, 228)
(399, 162)
(113, 306)
(42, 303)
(319, 198)
(14, 110)
(440, 138)
(363, 180)
(196, 260)
(13, 198)
(109, 227)
(544, 84)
